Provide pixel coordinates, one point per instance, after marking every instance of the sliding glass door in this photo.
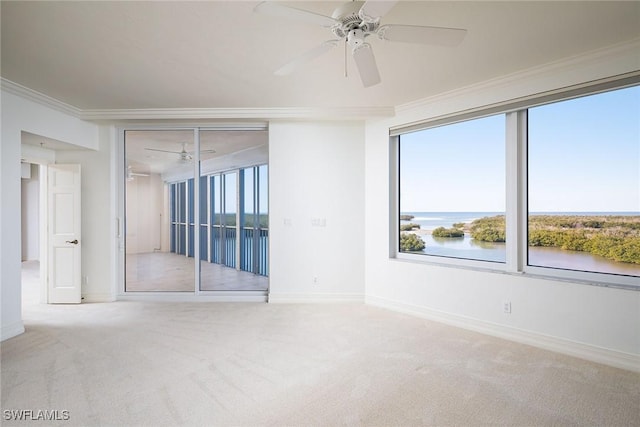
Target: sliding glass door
(254, 229)
(228, 258)
(159, 235)
(173, 218)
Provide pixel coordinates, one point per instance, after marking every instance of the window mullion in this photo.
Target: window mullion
(196, 208)
(515, 213)
(239, 208)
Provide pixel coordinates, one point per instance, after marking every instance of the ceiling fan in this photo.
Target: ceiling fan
(353, 22)
(185, 155)
(131, 174)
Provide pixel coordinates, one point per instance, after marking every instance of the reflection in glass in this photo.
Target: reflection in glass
(158, 212)
(163, 200)
(229, 230)
(235, 238)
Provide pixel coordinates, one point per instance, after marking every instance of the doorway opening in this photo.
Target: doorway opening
(44, 281)
(30, 233)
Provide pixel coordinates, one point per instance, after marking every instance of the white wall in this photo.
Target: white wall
(316, 172)
(144, 210)
(31, 214)
(596, 323)
(20, 114)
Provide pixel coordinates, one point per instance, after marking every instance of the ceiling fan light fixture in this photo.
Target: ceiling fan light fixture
(355, 38)
(366, 63)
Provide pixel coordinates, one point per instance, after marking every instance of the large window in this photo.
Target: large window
(550, 189)
(254, 219)
(584, 183)
(452, 190)
(224, 217)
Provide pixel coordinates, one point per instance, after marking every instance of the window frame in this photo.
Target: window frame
(516, 187)
(443, 259)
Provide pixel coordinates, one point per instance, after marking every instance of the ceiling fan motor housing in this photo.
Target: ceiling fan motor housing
(349, 19)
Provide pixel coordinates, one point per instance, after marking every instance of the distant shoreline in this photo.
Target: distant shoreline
(612, 235)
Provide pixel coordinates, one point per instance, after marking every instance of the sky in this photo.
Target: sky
(584, 156)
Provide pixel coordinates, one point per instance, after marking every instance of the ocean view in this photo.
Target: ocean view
(469, 248)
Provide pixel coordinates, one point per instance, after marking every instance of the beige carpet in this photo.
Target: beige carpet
(200, 364)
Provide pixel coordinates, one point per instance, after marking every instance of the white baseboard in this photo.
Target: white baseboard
(11, 330)
(283, 297)
(596, 354)
(230, 296)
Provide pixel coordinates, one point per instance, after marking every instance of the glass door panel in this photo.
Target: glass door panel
(262, 253)
(215, 191)
(171, 217)
(204, 215)
(159, 211)
(229, 219)
(247, 220)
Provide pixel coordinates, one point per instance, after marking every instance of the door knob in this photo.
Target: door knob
(74, 241)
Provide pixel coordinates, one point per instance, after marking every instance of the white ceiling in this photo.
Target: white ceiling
(232, 148)
(216, 54)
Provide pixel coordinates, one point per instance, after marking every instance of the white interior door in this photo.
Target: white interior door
(65, 245)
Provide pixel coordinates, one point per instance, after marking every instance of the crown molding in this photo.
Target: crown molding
(39, 98)
(329, 113)
(155, 114)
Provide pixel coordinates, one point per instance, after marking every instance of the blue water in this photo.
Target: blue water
(467, 248)
(432, 220)
(462, 247)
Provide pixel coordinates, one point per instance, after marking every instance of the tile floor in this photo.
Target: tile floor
(162, 271)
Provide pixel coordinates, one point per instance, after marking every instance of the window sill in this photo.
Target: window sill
(501, 268)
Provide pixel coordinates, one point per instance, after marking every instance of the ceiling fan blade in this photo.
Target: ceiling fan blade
(372, 10)
(306, 57)
(163, 151)
(281, 11)
(425, 35)
(191, 153)
(366, 63)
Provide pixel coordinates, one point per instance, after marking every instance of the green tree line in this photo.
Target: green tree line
(614, 237)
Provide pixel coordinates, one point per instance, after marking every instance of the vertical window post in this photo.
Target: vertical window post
(196, 207)
(516, 213)
(240, 220)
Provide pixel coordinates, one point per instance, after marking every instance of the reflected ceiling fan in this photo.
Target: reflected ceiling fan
(131, 174)
(354, 22)
(185, 155)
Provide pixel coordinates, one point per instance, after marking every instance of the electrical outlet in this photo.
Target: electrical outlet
(506, 307)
